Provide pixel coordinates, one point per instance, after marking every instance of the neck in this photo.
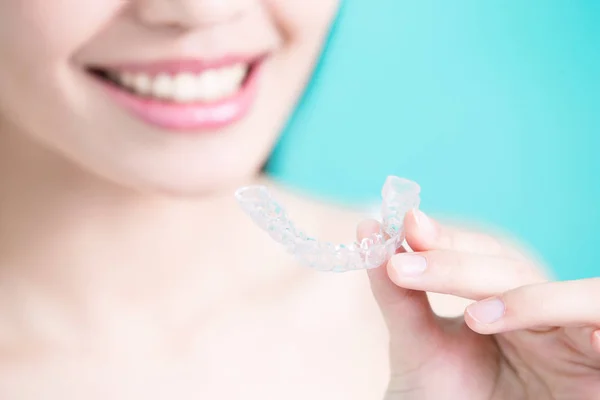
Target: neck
(66, 232)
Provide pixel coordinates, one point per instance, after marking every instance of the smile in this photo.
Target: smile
(183, 95)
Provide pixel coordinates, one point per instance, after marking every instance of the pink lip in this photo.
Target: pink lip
(191, 116)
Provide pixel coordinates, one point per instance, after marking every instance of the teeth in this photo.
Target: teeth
(142, 84)
(162, 86)
(126, 79)
(210, 85)
(184, 88)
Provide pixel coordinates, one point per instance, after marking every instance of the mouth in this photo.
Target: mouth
(183, 94)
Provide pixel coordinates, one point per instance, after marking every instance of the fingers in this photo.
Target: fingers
(407, 313)
(390, 297)
(466, 275)
(367, 228)
(423, 233)
(573, 303)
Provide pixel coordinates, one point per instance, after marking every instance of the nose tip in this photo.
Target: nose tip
(187, 14)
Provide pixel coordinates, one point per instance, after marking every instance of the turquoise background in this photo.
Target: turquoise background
(492, 106)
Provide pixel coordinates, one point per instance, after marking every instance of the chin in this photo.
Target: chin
(200, 184)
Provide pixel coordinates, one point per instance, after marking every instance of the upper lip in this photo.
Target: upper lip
(175, 66)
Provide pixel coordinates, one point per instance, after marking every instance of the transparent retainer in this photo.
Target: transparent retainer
(399, 196)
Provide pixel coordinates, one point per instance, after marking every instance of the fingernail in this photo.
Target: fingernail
(487, 311)
(425, 224)
(409, 264)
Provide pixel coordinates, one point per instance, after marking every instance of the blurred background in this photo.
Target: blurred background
(493, 107)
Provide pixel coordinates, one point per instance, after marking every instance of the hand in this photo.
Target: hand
(522, 338)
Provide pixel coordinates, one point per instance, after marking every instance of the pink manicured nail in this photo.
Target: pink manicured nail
(487, 311)
(409, 264)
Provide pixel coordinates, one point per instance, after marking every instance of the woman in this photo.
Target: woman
(127, 271)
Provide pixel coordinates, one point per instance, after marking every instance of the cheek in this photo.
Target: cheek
(302, 17)
(38, 40)
(42, 30)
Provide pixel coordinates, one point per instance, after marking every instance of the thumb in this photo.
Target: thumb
(414, 330)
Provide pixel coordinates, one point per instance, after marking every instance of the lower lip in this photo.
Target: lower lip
(190, 116)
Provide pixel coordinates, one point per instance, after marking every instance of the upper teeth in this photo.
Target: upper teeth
(209, 85)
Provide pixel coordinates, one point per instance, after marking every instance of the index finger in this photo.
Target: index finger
(553, 304)
(423, 233)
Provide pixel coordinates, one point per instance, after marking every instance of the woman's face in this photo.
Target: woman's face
(172, 95)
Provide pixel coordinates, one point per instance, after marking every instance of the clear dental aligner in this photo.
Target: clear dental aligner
(399, 196)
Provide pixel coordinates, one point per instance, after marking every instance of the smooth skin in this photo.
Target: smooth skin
(522, 337)
(127, 271)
